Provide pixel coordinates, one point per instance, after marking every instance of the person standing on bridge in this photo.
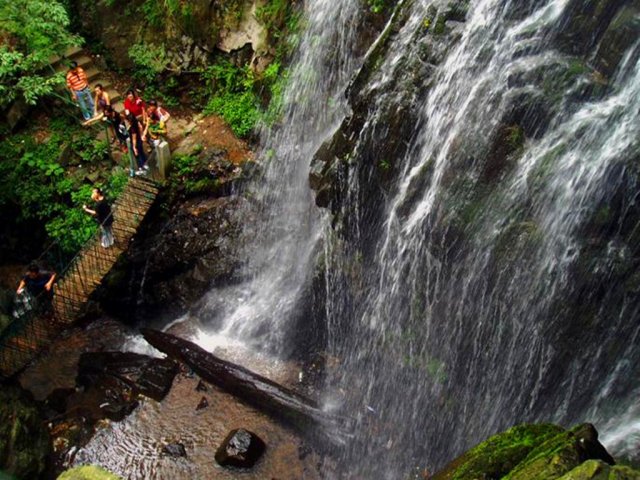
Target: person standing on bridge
(78, 84)
(38, 284)
(103, 216)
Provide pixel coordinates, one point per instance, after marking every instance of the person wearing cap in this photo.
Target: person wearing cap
(78, 84)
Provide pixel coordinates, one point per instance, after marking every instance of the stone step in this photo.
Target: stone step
(93, 74)
(68, 55)
(115, 97)
(83, 60)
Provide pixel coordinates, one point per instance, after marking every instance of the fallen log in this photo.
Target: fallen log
(281, 402)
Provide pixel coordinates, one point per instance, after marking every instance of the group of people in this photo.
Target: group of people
(137, 124)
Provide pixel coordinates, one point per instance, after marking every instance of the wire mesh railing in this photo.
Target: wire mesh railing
(38, 320)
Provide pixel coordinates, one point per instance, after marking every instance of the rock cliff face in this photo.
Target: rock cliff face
(170, 267)
(190, 32)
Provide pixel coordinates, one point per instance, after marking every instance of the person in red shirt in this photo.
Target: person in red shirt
(136, 106)
(78, 84)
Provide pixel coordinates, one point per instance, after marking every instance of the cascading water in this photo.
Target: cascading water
(499, 285)
(285, 236)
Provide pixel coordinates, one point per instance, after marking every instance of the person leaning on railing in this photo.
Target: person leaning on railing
(103, 216)
(38, 284)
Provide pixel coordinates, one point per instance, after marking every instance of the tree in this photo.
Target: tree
(31, 32)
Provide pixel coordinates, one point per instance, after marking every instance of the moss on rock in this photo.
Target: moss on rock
(561, 454)
(88, 472)
(598, 470)
(498, 455)
(537, 452)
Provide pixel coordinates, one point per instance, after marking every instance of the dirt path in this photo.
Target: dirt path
(186, 133)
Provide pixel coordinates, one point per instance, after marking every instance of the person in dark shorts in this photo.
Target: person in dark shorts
(38, 284)
(117, 126)
(103, 216)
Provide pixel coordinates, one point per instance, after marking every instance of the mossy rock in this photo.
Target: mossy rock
(598, 470)
(88, 472)
(560, 454)
(24, 441)
(497, 456)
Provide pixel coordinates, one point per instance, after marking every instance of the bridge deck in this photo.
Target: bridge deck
(29, 335)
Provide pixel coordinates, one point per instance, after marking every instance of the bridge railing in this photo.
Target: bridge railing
(36, 321)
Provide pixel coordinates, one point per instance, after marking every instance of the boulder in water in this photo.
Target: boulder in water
(241, 449)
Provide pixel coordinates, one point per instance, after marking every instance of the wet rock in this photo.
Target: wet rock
(528, 452)
(241, 449)
(497, 456)
(145, 375)
(622, 32)
(198, 248)
(598, 470)
(204, 403)
(57, 400)
(201, 387)
(174, 450)
(583, 23)
(24, 441)
(562, 453)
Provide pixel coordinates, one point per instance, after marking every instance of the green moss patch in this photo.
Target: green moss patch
(88, 472)
(498, 455)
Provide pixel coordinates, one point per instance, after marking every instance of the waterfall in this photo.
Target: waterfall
(285, 234)
(497, 288)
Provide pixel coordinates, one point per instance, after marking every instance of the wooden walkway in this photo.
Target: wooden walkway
(28, 336)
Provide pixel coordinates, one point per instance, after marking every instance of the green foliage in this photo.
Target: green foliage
(31, 32)
(234, 94)
(273, 13)
(376, 6)
(274, 79)
(515, 137)
(150, 60)
(46, 181)
(238, 109)
(153, 12)
(189, 173)
(183, 165)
